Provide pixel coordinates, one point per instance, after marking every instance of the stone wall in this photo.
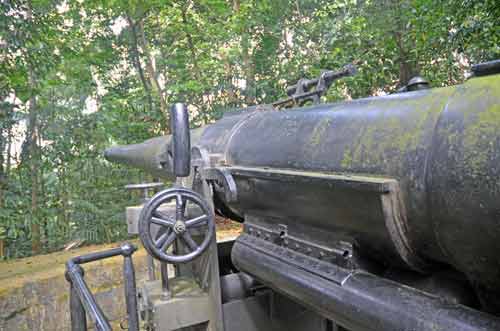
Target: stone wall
(34, 293)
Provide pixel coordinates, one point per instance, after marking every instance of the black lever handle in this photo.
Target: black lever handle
(181, 142)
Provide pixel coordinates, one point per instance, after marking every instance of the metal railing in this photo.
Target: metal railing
(82, 301)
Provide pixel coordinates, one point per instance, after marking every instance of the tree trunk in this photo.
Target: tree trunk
(248, 66)
(191, 43)
(63, 197)
(9, 150)
(136, 60)
(5, 180)
(33, 147)
(3, 183)
(249, 70)
(231, 95)
(153, 75)
(407, 66)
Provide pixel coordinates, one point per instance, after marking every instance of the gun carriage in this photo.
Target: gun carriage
(374, 214)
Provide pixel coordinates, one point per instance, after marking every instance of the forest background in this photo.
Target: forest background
(77, 76)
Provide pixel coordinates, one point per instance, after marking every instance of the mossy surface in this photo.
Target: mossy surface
(16, 273)
(480, 139)
(396, 128)
(319, 131)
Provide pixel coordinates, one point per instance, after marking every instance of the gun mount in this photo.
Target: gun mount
(373, 214)
(312, 89)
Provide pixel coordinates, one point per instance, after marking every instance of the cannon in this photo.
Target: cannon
(380, 213)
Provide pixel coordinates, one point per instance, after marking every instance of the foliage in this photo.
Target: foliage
(78, 76)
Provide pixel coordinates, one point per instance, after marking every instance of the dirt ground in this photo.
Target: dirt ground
(17, 270)
(227, 228)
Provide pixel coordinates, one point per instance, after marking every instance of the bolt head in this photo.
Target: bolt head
(179, 227)
(128, 249)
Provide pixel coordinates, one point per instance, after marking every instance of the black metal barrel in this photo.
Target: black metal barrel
(441, 145)
(359, 301)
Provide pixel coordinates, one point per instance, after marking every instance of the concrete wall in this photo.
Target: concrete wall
(34, 293)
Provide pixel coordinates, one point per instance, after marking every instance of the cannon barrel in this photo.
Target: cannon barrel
(408, 180)
(151, 156)
(411, 179)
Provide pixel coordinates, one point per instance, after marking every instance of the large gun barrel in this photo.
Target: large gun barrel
(405, 181)
(410, 179)
(152, 156)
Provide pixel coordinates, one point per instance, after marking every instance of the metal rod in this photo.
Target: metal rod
(295, 98)
(130, 289)
(175, 248)
(486, 68)
(97, 256)
(151, 268)
(175, 251)
(77, 311)
(164, 280)
(86, 297)
(82, 301)
(359, 300)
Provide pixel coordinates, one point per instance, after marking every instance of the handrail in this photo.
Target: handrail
(82, 301)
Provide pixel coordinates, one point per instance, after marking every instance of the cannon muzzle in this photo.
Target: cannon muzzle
(152, 156)
(155, 155)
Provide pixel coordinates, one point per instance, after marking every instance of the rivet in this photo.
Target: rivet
(285, 242)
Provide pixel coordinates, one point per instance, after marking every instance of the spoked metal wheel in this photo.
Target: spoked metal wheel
(171, 228)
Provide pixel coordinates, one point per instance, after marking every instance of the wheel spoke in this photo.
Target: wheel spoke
(163, 216)
(162, 222)
(179, 208)
(189, 241)
(183, 207)
(170, 239)
(197, 221)
(162, 231)
(161, 239)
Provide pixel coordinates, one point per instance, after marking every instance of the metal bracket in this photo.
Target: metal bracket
(341, 253)
(223, 178)
(312, 89)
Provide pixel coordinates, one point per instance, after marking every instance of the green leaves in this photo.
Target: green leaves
(96, 87)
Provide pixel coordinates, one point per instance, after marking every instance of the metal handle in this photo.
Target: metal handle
(81, 299)
(178, 227)
(181, 142)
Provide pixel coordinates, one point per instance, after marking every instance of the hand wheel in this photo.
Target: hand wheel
(173, 228)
